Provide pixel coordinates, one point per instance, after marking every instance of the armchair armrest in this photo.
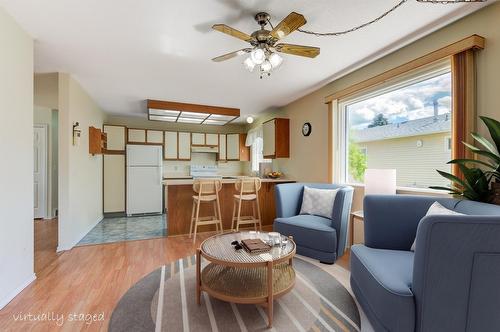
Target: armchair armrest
(456, 270)
(391, 221)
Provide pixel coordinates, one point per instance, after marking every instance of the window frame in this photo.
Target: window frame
(342, 120)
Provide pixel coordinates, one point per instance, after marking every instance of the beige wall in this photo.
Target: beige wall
(416, 166)
(46, 90)
(309, 156)
(16, 148)
(49, 117)
(80, 185)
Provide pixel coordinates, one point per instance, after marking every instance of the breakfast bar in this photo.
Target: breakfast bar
(179, 202)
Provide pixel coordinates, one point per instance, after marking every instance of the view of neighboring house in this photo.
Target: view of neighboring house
(413, 148)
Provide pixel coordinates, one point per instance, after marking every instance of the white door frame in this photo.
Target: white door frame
(46, 208)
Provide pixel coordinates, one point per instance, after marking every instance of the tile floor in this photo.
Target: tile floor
(116, 229)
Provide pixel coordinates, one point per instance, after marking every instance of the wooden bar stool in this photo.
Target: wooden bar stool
(207, 191)
(247, 191)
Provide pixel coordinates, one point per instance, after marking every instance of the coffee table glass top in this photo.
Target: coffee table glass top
(219, 247)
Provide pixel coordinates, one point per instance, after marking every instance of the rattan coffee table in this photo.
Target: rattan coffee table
(240, 277)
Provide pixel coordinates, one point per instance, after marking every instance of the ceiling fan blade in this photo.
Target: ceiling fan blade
(231, 55)
(289, 24)
(300, 50)
(232, 32)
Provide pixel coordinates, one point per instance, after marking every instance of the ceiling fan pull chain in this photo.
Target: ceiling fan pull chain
(339, 33)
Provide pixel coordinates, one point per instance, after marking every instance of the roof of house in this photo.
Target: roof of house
(424, 126)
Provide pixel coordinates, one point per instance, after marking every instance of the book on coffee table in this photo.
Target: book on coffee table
(255, 245)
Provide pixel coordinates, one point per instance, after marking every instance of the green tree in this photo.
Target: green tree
(378, 120)
(357, 162)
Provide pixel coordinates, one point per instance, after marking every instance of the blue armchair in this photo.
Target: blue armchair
(452, 280)
(317, 237)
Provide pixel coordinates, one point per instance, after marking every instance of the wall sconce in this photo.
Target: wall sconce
(76, 133)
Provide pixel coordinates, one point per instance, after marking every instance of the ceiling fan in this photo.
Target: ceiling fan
(263, 53)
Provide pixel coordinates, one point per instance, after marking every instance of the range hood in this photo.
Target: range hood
(205, 149)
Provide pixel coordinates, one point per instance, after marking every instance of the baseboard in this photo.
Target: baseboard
(73, 243)
(11, 296)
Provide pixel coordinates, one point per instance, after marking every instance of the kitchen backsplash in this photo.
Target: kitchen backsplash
(178, 168)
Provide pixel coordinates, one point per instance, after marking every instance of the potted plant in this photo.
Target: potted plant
(481, 180)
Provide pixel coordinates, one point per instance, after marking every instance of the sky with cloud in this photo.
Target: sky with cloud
(409, 103)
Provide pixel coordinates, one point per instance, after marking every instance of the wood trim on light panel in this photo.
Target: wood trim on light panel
(183, 107)
(469, 43)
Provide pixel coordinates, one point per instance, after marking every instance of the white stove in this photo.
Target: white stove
(204, 171)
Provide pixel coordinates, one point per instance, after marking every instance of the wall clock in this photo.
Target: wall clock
(306, 129)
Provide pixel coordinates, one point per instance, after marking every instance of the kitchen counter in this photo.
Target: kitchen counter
(179, 202)
(189, 181)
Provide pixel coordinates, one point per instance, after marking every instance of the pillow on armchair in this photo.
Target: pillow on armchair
(436, 209)
(318, 202)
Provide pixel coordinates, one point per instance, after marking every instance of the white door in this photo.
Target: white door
(144, 190)
(40, 170)
(144, 155)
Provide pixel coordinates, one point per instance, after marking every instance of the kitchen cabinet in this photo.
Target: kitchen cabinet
(222, 147)
(197, 138)
(114, 183)
(170, 145)
(184, 152)
(276, 136)
(97, 141)
(136, 135)
(212, 139)
(116, 138)
(154, 136)
(235, 147)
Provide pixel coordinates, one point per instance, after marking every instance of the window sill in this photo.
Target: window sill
(404, 190)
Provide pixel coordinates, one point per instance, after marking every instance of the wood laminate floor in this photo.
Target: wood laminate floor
(88, 280)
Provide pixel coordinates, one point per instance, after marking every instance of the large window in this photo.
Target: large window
(404, 126)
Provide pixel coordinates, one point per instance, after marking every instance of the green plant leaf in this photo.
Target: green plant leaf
(494, 129)
(453, 178)
(488, 154)
(484, 142)
(473, 161)
(450, 190)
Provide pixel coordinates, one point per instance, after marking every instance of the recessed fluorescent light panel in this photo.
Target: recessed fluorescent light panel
(190, 113)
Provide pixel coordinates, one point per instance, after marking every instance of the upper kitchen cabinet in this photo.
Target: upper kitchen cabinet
(136, 136)
(184, 146)
(170, 145)
(222, 147)
(154, 136)
(197, 138)
(116, 138)
(212, 139)
(236, 149)
(276, 138)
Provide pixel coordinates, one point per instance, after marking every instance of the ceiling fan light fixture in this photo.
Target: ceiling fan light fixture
(266, 66)
(275, 59)
(249, 64)
(258, 55)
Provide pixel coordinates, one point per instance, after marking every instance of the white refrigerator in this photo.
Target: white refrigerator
(144, 179)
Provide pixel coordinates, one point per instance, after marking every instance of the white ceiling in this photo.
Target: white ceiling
(125, 51)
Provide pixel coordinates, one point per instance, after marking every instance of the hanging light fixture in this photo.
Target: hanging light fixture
(264, 59)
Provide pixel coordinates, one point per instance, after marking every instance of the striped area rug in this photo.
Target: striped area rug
(165, 300)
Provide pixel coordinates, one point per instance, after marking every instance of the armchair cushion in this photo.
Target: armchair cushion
(309, 231)
(318, 202)
(382, 280)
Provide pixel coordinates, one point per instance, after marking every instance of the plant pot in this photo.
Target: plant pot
(495, 193)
